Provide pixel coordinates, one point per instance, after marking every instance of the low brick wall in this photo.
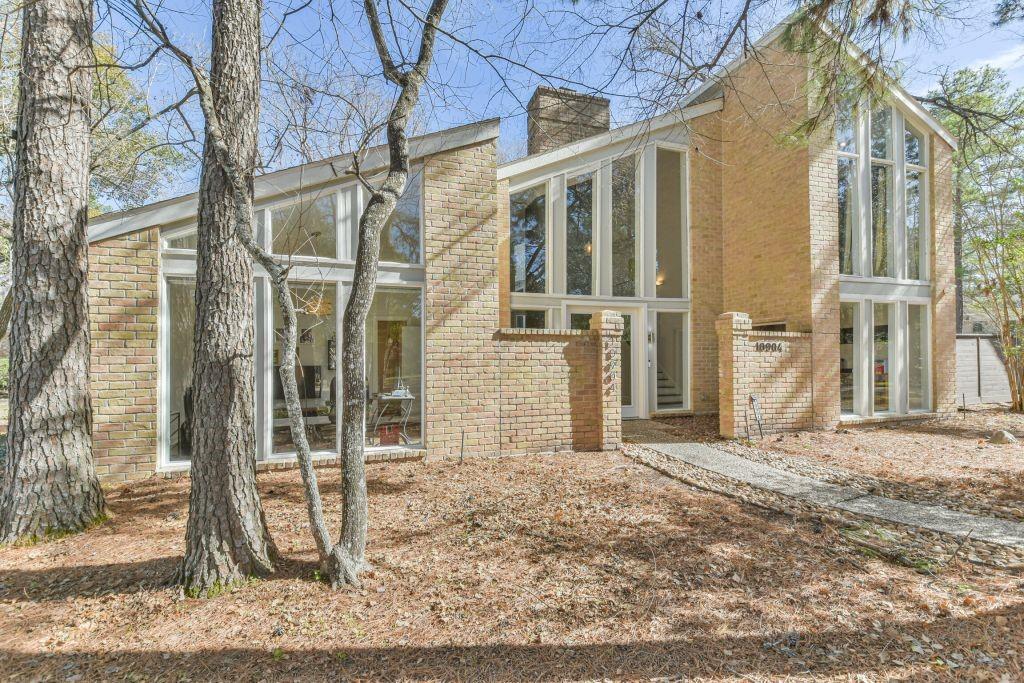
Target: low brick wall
(559, 389)
(775, 367)
(123, 291)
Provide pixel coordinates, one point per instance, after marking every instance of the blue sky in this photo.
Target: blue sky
(466, 87)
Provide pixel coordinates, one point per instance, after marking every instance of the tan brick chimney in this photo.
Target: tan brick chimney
(558, 116)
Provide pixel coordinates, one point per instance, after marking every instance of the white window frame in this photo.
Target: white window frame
(549, 231)
(861, 242)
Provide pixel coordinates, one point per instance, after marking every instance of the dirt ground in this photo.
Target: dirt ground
(570, 567)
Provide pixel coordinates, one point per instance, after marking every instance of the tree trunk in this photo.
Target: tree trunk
(227, 538)
(50, 482)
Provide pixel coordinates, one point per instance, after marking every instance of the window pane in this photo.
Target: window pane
(181, 307)
(579, 234)
(394, 370)
(306, 228)
(315, 368)
(881, 133)
(528, 239)
(670, 339)
(847, 356)
(847, 215)
(917, 340)
(914, 269)
(668, 251)
(846, 129)
(400, 240)
(881, 218)
(579, 321)
(912, 145)
(187, 241)
(529, 320)
(881, 357)
(624, 226)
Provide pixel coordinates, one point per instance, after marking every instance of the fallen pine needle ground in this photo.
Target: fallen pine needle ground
(571, 567)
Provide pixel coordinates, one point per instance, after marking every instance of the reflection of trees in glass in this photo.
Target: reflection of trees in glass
(881, 203)
(306, 228)
(881, 133)
(579, 233)
(624, 226)
(400, 239)
(847, 175)
(527, 235)
(914, 225)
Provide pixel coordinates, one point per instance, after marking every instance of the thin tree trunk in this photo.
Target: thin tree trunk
(227, 538)
(364, 279)
(50, 482)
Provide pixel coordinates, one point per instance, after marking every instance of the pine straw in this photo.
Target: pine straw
(577, 566)
(950, 456)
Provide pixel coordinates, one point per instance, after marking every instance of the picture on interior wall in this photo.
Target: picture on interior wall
(332, 353)
(306, 336)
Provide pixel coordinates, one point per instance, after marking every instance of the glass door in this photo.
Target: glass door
(579, 319)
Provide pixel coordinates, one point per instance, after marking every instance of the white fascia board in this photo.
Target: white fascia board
(291, 180)
(626, 133)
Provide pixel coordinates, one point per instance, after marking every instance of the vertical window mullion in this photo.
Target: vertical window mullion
(898, 234)
(862, 229)
(602, 232)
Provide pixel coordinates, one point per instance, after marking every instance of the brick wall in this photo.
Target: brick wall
(705, 258)
(491, 390)
(123, 291)
(766, 217)
(460, 197)
(776, 367)
(943, 278)
(559, 389)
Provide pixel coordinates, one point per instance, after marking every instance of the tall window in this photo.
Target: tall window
(579, 234)
(882, 358)
(670, 213)
(181, 316)
(624, 226)
(528, 239)
(847, 355)
(917, 362)
(394, 368)
(881, 193)
(316, 367)
(913, 152)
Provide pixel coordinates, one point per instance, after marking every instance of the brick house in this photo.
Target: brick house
(691, 263)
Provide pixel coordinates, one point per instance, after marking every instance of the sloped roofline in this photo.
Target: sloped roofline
(694, 105)
(293, 179)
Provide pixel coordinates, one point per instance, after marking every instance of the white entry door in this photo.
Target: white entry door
(579, 319)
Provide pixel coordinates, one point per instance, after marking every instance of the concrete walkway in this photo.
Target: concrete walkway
(933, 517)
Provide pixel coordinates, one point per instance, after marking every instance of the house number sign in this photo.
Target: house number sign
(769, 347)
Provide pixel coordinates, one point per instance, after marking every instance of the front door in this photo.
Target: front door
(579, 319)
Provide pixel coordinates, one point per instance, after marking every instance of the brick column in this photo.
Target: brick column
(729, 326)
(609, 326)
(943, 275)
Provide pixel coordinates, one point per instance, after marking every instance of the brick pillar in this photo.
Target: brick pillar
(609, 327)
(943, 273)
(732, 329)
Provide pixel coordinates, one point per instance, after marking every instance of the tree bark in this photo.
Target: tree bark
(364, 278)
(50, 482)
(227, 538)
